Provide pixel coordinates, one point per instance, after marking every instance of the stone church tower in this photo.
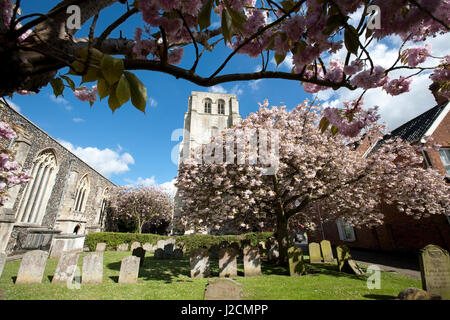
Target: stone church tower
(208, 114)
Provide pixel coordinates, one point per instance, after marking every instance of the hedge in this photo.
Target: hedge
(189, 242)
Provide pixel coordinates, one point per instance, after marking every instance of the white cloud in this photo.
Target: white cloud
(217, 89)
(62, 101)
(169, 186)
(13, 105)
(77, 120)
(106, 161)
(237, 90)
(153, 102)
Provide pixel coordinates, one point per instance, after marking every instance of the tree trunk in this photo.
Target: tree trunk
(282, 236)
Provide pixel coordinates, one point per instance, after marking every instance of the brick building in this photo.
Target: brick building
(402, 233)
(64, 200)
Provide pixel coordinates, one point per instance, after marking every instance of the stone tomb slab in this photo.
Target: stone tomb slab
(223, 289)
(314, 253)
(296, 263)
(435, 271)
(32, 267)
(199, 262)
(122, 247)
(2, 262)
(343, 255)
(101, 247)
(228, 262)
(252, 261)
(92, 268)
(66, 268)
(129, 269)
(148, 247)
(327, 252)
(135, 245)
(140, 253)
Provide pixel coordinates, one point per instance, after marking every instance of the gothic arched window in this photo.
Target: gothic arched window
(38, 190)
(208, 104)
(104, 206)
(82, 194)
(221, 107)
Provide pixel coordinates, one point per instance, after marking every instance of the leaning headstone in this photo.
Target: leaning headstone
(101, 247)
(345, 262)
(228, 262)
(135, 245)
(199, 261)
(159, 254)
(327, 253)
(435, 271)
(168, 248)
(148, 247)
(122, 247)
(92, 268)
(223, 289)
(296, 264)
(160, 244)
(66, 268)
(57, 249)
(140, 253)
(314, 253)
(129, 269)
(2, 262)
(413, 294)
(32, 267)
(252, 261)
(273, 251)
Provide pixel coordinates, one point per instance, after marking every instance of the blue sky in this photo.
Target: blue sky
(130, 147)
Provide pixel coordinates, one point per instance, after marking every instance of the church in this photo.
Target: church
(64, 200)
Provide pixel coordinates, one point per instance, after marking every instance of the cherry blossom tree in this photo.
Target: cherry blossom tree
(10, 173)
(314, 168)
(135, 206)
(37, 46)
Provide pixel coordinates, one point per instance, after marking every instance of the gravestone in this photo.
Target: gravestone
(148, 247)
(140, 253)
(57, 249)
(273, 251)
(169, 246)
(327, 252)
(252, 261)
(435, 271)
(122, 247)
(314, 253)
(92, 268)
(135, 245)
(296, 264)
(159, 254)
(178, 253)
(228, 262)
(2, 263)
(223, 289)
(32, 267)
(66, 268)
(160, 244)
(101, 247)
(129, 269)
(199, 262)
(345, 262)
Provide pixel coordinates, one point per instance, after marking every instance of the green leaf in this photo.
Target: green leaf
(289, 5)
(113, 102)
(226, 26)
(112, 68)
(123, 92)
(58, 86)
(279, 58)
(70, 82)
(323, 125)
(334, 130)
(334, 22)
(95, 55)
(91, 75)
(351, 39)
(204, 17)
(138, 91)
(238, 17)
(77, 68)
(103, 88)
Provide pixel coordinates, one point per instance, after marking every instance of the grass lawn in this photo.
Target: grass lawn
(169, 280)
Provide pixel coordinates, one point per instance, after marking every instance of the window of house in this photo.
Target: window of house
(82, 194)
(346, 231)
(221, 107)
(208, 106)
(445, 157)
(38, 190)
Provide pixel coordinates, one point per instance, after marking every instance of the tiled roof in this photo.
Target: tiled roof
(414, 130)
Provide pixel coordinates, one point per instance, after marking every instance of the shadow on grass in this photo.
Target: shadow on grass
(14, 279)
(50, 278)
(115, 279)
(379, 296)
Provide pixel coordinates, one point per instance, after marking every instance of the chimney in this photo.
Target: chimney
(434, 88)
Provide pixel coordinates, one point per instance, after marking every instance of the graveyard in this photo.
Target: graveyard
(158, 274)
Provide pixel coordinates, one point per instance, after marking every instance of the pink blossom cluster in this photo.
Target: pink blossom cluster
(441, 75)
(315, 169)
(86, 95)
(9, 169)
(415, 56)
(370, 78)
(397, 86)
(6, 9)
